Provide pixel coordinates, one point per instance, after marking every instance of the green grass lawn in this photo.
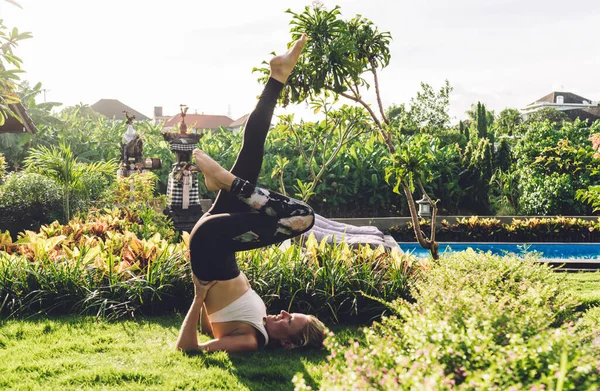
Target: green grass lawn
(81, 353)
(586, 287)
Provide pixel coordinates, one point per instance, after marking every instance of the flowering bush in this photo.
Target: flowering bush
(479, 322)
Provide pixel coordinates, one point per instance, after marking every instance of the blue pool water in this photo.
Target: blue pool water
(566, 251)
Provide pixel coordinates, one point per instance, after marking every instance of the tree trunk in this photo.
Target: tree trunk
(378, 94)
(386, 135)
(430, 245)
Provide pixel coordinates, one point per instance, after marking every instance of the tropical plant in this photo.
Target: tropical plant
(478, 229)
(60, 164)
(340, 128)
(99, 265)
(407, 166)
(505, 191)
(40, 112)
(9, 77)
(553, 163)
(509, 121)
(555, 117)
(2, 167)
(591, 195)
(336, 57)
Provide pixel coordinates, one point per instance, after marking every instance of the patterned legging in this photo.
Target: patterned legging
(247, 216)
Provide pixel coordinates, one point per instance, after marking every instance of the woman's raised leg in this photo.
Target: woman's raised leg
(249, 161)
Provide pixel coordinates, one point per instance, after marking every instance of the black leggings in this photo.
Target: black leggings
(246, 217)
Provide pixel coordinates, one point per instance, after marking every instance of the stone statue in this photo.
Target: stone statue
(183, 127)
(132, 148)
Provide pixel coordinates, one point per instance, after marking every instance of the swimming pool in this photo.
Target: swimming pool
(549, 251)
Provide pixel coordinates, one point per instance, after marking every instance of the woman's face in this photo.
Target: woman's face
(285, 325)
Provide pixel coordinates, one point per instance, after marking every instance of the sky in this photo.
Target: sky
(147, 53)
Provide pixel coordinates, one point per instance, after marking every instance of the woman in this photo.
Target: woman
(245, 217)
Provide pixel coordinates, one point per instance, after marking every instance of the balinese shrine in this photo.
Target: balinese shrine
(183, 200)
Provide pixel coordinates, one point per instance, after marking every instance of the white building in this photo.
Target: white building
(571, 104)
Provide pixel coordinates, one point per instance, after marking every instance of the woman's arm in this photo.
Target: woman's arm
(188, 335)
(231, 344)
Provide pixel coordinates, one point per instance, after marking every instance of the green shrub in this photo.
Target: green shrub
(27, 201)
(479, 322)
(354, 185)
(330, 281)
(100, 266)
(549, 194)
(552, 164)
(30, 200)
(94, 187)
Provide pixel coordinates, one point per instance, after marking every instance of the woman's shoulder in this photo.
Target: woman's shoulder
(249, 331)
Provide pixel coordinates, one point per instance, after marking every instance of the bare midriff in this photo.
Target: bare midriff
(220, 296)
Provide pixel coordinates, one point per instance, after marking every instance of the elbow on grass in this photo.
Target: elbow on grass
(186, 348)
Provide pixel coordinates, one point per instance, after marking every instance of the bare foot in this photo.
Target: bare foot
(282, 65)
(215, 176)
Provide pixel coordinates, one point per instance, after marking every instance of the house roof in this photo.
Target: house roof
(240, 121)
(588, 113)
(112, 108)
(200, 121)
(568, 98)
(13, 125)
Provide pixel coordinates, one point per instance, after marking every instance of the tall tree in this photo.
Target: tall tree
(508, 122)
(481, 121)
(550, 114)
(428, 111)
(336, 59)
(481, 118)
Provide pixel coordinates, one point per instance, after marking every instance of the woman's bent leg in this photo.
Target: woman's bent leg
(274, 219)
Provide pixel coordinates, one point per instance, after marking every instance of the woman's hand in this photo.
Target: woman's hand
(201, 289)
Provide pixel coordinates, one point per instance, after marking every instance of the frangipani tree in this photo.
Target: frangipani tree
(337, 58)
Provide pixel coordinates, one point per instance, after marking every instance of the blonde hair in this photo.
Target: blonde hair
(311, 335)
